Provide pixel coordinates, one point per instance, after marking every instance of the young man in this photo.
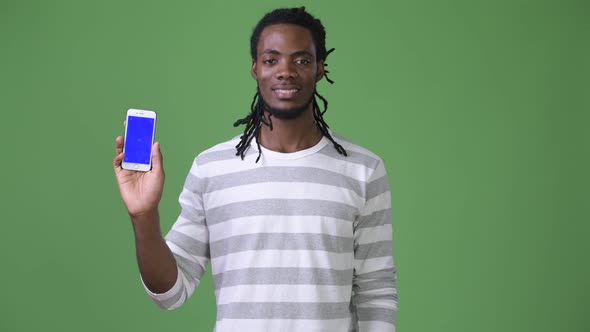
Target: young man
(295, 220)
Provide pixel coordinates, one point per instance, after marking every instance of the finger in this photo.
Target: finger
(118, 160)
(118, 145)
(157, 159)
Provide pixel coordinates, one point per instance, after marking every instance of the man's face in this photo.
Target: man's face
(286, 69)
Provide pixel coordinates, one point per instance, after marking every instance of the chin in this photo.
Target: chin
(285, 113)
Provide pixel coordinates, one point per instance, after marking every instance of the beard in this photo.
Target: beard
(283, 113)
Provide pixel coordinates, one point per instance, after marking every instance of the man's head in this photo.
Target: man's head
(288, 52)
(295, 16)
(288, 49)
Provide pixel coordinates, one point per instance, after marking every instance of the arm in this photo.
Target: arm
(141, 192)
(155, 260)
(374, 291)
(188, 243)
(171, 267)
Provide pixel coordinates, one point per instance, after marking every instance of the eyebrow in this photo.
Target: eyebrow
(298, 53)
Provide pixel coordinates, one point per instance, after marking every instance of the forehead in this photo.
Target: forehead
(286, 38)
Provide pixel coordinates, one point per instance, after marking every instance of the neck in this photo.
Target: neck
(291, 135)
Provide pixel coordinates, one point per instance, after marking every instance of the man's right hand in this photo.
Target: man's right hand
(141, 191)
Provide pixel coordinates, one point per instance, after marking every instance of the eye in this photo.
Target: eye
(303, 61)
(269, 61)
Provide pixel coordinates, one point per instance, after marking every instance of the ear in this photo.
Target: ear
(253, 71)
(320, 71)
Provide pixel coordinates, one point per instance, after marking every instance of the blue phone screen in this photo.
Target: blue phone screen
(138, 143)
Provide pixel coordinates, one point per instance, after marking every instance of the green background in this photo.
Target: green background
(480, 110)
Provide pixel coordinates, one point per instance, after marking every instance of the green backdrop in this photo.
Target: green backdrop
(480, 110)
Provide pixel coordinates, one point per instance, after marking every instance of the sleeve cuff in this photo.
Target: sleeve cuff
(160, 297)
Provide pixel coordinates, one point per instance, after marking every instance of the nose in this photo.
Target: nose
(286, 70)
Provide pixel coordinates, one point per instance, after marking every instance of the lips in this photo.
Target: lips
(285, 91)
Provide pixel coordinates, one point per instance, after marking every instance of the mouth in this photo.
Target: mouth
(285, 92)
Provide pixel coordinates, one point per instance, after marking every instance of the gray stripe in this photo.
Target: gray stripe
(388, 296)
(191, 269)
(282, 275)
(283, 207)
(366, 281)
(220, 155)
(189, 212)
(375, 249)
(190, 245)
(194, 184)
(385, 273)
(284, 241)
(377, 187)
(377, 218)
(352, 156)
(283, 310)
(354, 326)
(285, 174)
(377, 314)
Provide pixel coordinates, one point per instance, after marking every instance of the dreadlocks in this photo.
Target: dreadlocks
(256, 119)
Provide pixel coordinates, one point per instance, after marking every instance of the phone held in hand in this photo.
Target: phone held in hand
(139, 137)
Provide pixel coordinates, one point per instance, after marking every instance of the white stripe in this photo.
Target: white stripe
(378, 173)
(280, 224)
(222, 167)
(250, 325)
(190, 284)
(283, 258)
(228, 145)
(377, 203)
(189, 288)
(378, 303)
(321, 161)
(282, 190)
(191, 229)
(373, 234)
(189, 198)
(194, 171)
(376, 326)
(283, 293)
(348, 145)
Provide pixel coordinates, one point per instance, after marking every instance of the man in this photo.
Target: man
(295, 220)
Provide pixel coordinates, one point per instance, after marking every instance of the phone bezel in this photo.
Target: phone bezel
(144, 114)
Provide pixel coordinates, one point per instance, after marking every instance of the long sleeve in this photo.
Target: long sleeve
(188, 239)
(374, 290)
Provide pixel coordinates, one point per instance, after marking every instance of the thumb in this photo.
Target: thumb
(157, 160)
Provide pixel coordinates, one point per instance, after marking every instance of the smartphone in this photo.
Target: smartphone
(140, 128)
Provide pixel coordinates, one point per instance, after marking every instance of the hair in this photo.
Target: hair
(255, 119)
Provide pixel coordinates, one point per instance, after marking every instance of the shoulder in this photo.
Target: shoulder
(355, 153)
(376, 174)
(222, 151)
(222, 158)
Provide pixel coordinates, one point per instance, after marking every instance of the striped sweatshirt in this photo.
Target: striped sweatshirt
(297, 242)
